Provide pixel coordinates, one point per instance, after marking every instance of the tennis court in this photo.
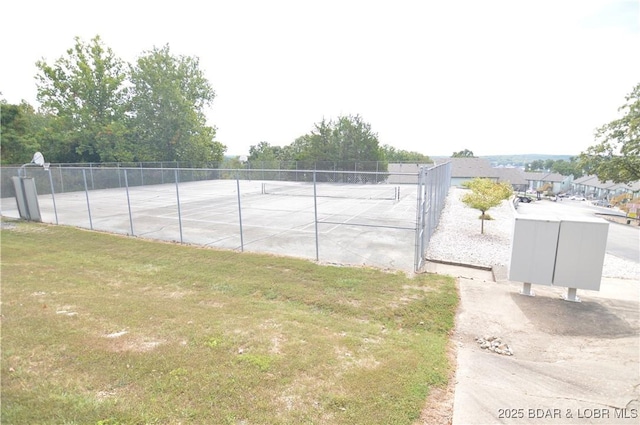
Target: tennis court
(337, 223)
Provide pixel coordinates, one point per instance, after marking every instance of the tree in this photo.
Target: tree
(548, 164)
(571, 168)
(485, 194)
(169, 95)
(547, 187)
(616, 156)
(86, 93)
(19, 141)
(537, 165)
(348, 138)
(392, 154)
(463, 154)
(263, 151)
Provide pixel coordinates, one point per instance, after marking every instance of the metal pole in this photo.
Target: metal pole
(126, 184)
(86, 192)
(416, 254)
(61, 179)
(240, 213)
(53, 197)
(315, 212)
(178, 200)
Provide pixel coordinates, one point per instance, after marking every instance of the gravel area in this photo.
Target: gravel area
(458, 239)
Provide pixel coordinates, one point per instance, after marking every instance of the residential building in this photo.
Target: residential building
(559, 183)
(591, 187)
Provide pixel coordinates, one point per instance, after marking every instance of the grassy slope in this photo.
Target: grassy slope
(102, 329)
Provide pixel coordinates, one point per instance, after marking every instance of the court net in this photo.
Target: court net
(352, 191)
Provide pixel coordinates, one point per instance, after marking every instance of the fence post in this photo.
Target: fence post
(86, 192)
(240, 213)
(178, 200)
(315, 212)
(53, 196)
(417, 262)
(61, 180)
(126, 183)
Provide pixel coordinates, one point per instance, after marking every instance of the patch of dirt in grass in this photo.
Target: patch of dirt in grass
(120, 343)
(16, 226)
(271, 329)
(211, 303)
(305, 392)
(438, 409)
(104, 395)
(419, 288)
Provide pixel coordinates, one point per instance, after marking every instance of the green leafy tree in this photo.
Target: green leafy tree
(19, 140)
(485, 194)
(348, 138)
(567, 168)
(85, 91)
(392, 154)
(265, 152)
(537, 165)
(169, 95)
(548, 164)
(616, 156)
(232, 163)
(463, 154)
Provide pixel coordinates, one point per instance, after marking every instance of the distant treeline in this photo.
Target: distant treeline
(523, 160)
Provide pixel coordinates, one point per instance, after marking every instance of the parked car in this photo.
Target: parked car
(578, 198)
(524, 199)
(602, 203)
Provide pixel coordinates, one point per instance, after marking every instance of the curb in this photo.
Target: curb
(453, 263)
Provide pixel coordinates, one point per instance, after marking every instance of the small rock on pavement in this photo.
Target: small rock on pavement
(495, 344)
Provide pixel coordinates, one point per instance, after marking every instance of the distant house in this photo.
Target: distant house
(592, 187)
(465, 169)
(514, 176)
(559, 182)
(404, 173)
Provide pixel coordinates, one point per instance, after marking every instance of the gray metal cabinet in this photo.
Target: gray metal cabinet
(533, 252)
(564, 252)
(580, 258)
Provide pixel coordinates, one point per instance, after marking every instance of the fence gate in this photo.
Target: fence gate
(433, 186)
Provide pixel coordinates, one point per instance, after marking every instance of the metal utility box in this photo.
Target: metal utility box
(581, 247)
(533, 253)
(566, 252)
(27, 198)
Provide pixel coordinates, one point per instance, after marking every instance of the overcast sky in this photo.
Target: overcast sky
(495, 77)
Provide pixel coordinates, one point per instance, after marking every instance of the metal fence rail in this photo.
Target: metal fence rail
(334, 216)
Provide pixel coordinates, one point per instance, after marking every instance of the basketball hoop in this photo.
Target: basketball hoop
(38, 159)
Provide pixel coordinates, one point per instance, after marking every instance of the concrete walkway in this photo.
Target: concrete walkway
(573, 363)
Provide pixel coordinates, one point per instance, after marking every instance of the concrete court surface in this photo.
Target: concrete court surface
(352, 231)
(573, 363)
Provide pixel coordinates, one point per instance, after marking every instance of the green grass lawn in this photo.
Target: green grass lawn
(105, 329)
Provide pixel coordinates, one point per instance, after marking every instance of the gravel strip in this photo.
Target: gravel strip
(458, 239)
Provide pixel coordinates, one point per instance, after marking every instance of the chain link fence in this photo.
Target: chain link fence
(333, 216)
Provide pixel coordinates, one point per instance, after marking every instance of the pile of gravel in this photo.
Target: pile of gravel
(458, 239)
